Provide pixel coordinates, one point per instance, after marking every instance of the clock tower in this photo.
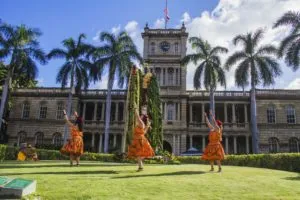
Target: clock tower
(163, 51)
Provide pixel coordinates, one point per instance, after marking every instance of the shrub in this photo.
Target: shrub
(2, 152)
(280, 161)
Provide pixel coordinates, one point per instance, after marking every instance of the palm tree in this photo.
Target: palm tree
(290, 46)
(19, 46)
(75, 68)
(208, 69)
(116, 53)
(257, 64)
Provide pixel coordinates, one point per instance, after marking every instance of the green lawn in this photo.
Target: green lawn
(94, 180)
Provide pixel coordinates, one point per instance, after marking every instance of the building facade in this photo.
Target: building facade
(37, 114)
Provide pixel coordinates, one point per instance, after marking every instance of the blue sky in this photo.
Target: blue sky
(60, 19)
(217, 21)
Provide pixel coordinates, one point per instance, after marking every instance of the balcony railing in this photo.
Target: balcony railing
(225, 125)
(102, 123)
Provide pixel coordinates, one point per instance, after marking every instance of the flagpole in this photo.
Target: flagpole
(166, 10)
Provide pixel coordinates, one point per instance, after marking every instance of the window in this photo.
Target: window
(43, 111)
(26, 111)
(170, 76)
(21, 138)
(290, 115)
(60, 111)
(157, 74)
(39, 137)
(273, 145)
(177, 77)
(271, 115)
(152, 48)
(294, 145)
(170, 112)
(176, 48)
(57, 139)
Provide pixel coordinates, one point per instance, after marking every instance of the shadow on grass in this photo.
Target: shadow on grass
(33, 165)
(163, 174)
(294, 178)
(62, 173)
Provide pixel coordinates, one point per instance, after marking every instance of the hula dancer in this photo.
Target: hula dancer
(214, 150)
(140, 148)
(74, 146)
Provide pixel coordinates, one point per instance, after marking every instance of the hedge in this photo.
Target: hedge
(2, 152)
(280, 161)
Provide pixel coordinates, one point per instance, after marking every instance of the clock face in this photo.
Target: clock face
(165, 46)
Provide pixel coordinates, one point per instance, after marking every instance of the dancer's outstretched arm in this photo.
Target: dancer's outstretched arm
(67, 119)
(207, 121)
(148, 127)
(138, 118)
(214, 120)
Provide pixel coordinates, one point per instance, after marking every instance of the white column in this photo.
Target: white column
(178, 144)
(161, 77)
(203, 109)
(174, 113)
(93, 140)
(203, 143)
(225, 113)
(166, 114)
(234, 145)
(246, 113)
(102, 111)
(174, 76)
(166, 77)
(191, 141)
(178, 111)
(174, 146)
(84, 108)
(117, 111)
(247, 144)
(95, 111)
(191, 112)
(100, 143)
(115, 141)
(226, 144)
(233, 114)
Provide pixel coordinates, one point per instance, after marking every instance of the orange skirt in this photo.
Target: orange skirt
(213, 151)
(73, 147)
(140, 147)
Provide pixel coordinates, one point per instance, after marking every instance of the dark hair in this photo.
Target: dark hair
(145, 119)
(78, 122)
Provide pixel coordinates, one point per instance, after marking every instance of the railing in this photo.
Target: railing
(278, 92)
(103, 92)
(163, 31)
(204, 93)
(225, 125)
(99, 122)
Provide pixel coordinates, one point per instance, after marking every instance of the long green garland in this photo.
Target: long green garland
(134, 93)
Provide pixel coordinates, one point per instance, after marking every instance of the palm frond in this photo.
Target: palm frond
(57, 53)
(233, 59)
(198, 75)
(268, 49)
(257, 37)
(289, 18)
(218, 49)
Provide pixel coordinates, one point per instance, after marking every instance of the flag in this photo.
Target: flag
(167, 18)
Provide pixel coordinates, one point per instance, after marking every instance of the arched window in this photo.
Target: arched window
(273, 145)
(60, 111)
(39, 138)
(43, 111)
(271, 114)
(170, 76)
(290, 115)
(176, 48)
(170, 112)
(21, 138)
(294, 144)
(152, 50)
(57, 139)
(26, 110)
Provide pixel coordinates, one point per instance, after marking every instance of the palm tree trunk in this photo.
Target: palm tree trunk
(4, 96)
(211, 102)
(107, 112)
(254, 128)
(69, 108)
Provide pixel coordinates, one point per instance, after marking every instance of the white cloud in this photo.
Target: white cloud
(185, 18)
(295, 84)
(159, 23)
(96, 37)
(116, 29)
(232, 17)
(41, 82)
(134, 31)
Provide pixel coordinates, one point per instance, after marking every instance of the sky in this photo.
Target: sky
(217, 21)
